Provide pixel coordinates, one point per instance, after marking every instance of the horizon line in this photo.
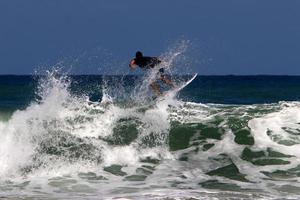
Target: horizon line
(142, 74)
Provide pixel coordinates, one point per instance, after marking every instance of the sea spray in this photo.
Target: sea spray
(67, 145)
(66, 142)
(62, 129)
(142, 92)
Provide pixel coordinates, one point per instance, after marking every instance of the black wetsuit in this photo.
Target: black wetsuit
(148, 62)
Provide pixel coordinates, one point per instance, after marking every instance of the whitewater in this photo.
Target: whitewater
(65, 145)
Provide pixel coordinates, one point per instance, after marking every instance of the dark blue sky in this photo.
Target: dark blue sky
(226, 37)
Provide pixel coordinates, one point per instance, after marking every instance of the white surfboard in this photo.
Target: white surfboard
(174, 91)
(178, 88)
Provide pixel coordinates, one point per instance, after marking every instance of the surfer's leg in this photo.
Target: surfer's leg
(155, 88)
(166, 80)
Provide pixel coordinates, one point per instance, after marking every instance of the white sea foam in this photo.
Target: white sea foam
(59, 115)
(85, 124)
(64, 144)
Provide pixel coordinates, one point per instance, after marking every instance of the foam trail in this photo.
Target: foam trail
(276, 130)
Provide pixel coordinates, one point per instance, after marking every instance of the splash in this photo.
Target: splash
(142, 91)
(67, 145)
(60, 129)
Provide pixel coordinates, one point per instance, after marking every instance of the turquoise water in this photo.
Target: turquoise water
(103, 137)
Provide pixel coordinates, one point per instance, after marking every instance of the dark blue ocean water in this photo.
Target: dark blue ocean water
(16, 92)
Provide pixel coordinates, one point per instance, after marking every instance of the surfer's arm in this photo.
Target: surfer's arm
(132, 64)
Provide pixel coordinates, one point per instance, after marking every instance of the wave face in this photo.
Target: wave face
(108, 139)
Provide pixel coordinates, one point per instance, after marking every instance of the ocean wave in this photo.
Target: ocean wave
(69, 142)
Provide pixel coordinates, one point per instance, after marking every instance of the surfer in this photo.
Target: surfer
(146, 62)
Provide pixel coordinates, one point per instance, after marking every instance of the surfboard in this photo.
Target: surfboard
(180, 87)
(176, 89)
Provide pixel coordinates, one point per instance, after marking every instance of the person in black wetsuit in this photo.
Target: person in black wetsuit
(145, 62)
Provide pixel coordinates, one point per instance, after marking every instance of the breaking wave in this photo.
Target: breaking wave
(130, 146)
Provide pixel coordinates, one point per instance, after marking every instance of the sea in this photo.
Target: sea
(107, 137)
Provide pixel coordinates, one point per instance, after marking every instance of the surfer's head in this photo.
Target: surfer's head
(138, 54)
